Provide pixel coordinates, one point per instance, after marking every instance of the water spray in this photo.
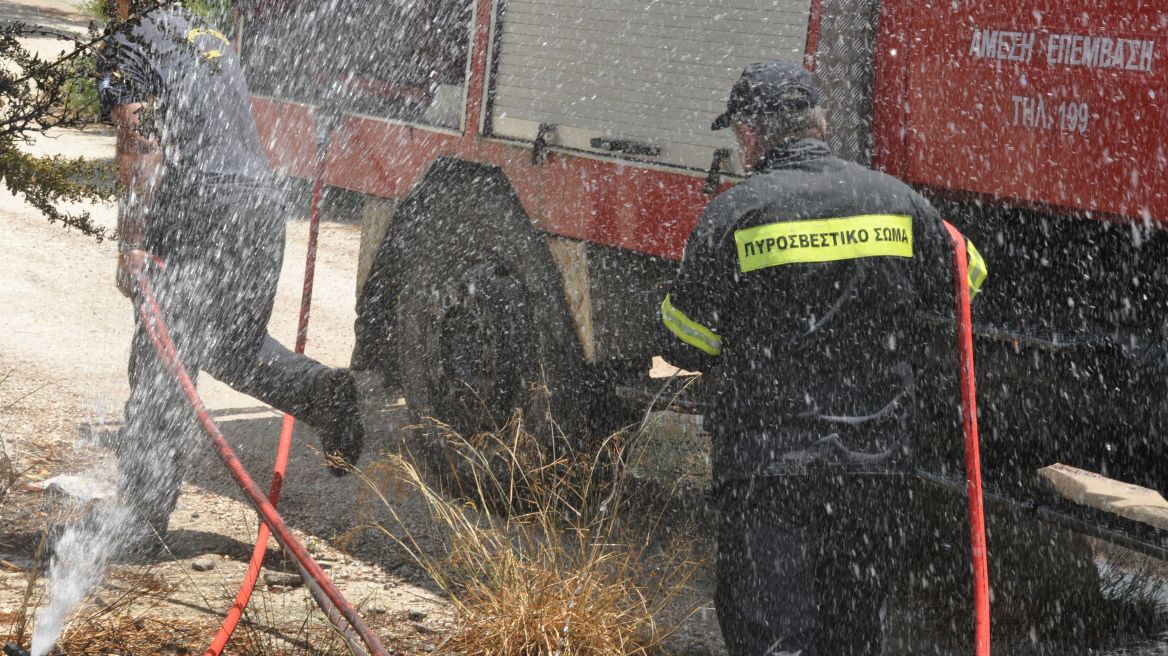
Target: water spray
(334, 603)
(325, 123)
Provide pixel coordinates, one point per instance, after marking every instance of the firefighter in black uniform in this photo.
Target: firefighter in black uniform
(797, 294)
(201, 212)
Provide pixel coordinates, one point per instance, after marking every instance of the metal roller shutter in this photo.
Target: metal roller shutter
(653, 74)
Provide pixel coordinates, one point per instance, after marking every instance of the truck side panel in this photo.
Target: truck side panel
(642, 80)
(1051, 103)
(607, 202)
(577, 191)
(889, 87)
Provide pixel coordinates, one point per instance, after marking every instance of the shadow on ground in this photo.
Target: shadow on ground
(312, 500)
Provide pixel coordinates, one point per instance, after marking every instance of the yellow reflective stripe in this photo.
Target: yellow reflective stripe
(199, 31)
(824, 240)
(689, 331)
(977, 269)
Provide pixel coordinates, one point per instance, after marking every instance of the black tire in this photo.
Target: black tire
(466, 356)
(482, 327)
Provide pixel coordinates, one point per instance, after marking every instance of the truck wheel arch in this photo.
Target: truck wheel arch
(468, 212)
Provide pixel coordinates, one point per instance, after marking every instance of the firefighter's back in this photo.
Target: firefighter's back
(833, 260)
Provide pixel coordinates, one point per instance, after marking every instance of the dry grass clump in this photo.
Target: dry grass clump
(126, 634)
(539, 557)
(135, 620)
(150, 631)
(8, 473)
(313, 637)
(131, 614)
(123, 625)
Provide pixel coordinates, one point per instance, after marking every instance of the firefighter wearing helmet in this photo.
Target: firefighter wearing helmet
(797, 294)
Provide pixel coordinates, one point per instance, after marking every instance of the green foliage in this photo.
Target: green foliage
(47, 182)
(82, 97)
(219, 12)
(81, 90)
(97, 9)
(34, 93)
(35, 96)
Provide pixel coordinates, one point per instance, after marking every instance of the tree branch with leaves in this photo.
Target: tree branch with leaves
(37, 95)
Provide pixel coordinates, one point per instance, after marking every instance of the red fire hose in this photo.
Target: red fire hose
(261, 545)
(981, 579)
(153, 322)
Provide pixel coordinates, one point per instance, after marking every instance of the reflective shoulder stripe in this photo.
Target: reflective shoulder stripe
(689, 331)
(824, 240)
(977, 269)
(199, 31)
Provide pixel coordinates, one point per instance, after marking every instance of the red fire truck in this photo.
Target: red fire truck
(533, 168)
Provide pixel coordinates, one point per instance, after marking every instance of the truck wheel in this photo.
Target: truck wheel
(482, 326)
(466, 361)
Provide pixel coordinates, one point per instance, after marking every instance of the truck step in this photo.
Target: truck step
(1123, 514)
(1109, 495)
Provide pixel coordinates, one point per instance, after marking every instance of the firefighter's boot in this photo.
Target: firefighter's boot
(336, 415)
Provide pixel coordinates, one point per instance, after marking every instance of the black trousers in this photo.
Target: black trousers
(805, 563)
(216, 294)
